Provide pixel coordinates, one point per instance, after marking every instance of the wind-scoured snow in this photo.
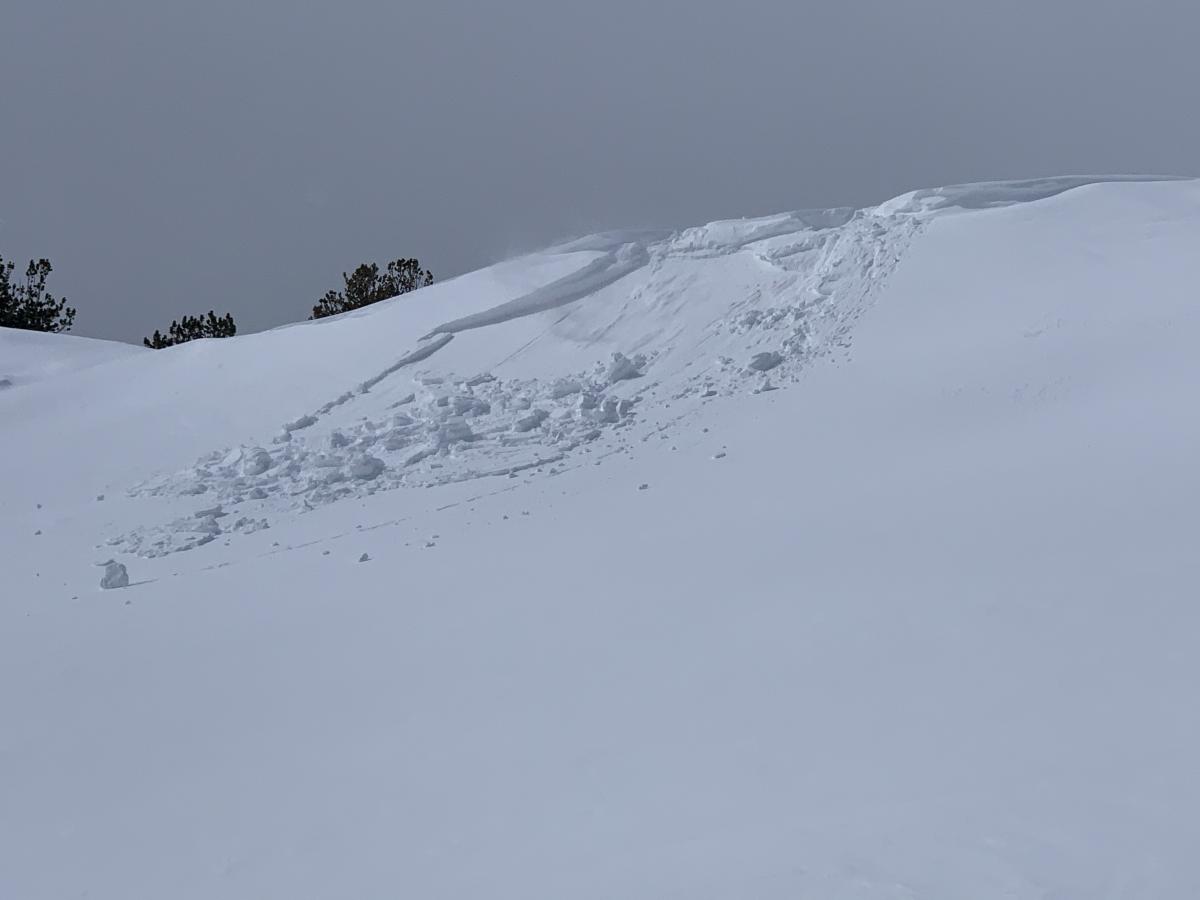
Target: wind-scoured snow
(838, 554)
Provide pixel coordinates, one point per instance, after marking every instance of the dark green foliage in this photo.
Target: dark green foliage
(368, 285)
(192, 328)
(28, 305)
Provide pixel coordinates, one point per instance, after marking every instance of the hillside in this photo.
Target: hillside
(833, 554)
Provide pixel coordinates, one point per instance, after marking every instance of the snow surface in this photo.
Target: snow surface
(835, 554)
(27, 356)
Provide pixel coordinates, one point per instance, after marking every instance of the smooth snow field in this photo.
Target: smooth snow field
(838, 554)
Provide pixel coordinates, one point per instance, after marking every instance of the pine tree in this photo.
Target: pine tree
(368, 285)
(192, 328)
(28, 305)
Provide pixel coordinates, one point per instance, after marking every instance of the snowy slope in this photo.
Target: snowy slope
(918, 623)
(28, 356)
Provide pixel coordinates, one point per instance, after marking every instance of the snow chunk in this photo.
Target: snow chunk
(565, 387)
(531, 421)
(208, 525)
(467, 405)
(763, 362)
(366, 468)
(300, 423)
(255, 462)
(396, 440)
(453, 431)
(115, 575)
(420, 455)
(624, 368)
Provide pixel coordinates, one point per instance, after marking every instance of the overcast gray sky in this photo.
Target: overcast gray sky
(171, 157)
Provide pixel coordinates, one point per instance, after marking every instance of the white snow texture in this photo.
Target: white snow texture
(833, 554)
